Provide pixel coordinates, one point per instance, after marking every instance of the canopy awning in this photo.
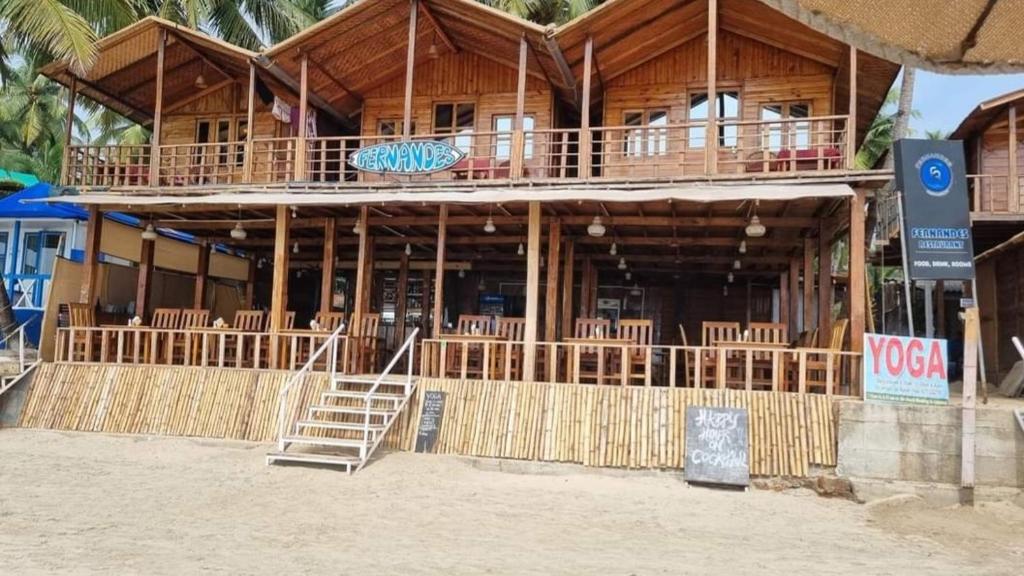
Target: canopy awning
(611, 194)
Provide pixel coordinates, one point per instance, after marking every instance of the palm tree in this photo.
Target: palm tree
(890, 124)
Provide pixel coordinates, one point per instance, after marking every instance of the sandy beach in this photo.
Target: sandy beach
(89, 503)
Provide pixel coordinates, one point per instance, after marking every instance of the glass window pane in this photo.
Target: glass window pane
(657, 134)
(528, 145)
(3, 250)
(698, 107)
(464, 116)
(51, 242)
(729, 105)
(443, 118)
(503, 138)
(30, 255)
(202, 132)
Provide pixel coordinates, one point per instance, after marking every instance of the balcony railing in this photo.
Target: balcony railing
(995, 194)
(676, 151)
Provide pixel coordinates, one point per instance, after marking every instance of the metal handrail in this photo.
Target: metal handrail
(306, 368)
(407, 345)
(20, 331)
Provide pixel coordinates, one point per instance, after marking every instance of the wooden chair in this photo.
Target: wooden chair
(764, 363)
(686, 357)
(592, 358)
(768, 332)
(329, 321)
(249, 321)
(817, 366)
(474, 325)
(510, 330)
(163, 319)
(83, 347)
(638, 359)
(364, 343)
(711, 334)
(189, 343)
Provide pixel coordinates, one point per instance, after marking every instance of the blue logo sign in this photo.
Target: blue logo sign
(417, 157)
(936, 173)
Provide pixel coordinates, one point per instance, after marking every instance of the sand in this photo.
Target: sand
(89, 503)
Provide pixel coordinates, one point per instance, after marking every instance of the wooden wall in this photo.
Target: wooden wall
(595, 426)
(230, 102)
(994, 159)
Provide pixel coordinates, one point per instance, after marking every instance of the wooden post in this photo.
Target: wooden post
(808, 267)
(154, 150)
(855, 286)
(69, 125)
(426, 306)
(567, 287)
(250, 284)
(401, 308)
(532, 292)
(784, 299)
(970, 391)
(711, 145)
(410, 61)
(202, 275)
(1014, 187)
(794, 296)
(851, 122)
(442, 239)
(279, 284)
(250, 126)
(302, 147)
(940, 318)
(585, 135)
(327, 266)
(587, 277)
(364, 268)
(145, 282)
(90, 268)
(551, 298)
(824, 285)
(518, 151)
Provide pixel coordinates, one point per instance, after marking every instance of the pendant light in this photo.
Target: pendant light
(622, 263)
(614, 249)
(743, 246)
(462, 273)
(408, 249)
(635, 291)
(149, 233)
(200, 80)
(736, 265)
(629, 276)
(730, 277)
(489, 226)
(482, 286)
(432, 52)
(596, 228)
(238, 233)
(259, 263)
(521, 251)
(725, 290)
(754, 228)
(295, 247)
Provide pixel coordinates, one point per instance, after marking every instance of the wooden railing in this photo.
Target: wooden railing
(676, 150)
(205, 347)
(994, 194)
(740, 366)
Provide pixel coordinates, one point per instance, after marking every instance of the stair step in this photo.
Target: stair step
(333, 442)
(357, 394)
(369, 380)
(356, 426)
(350, 410)
(349, 462)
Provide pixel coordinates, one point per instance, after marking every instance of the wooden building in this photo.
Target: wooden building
(648, 195)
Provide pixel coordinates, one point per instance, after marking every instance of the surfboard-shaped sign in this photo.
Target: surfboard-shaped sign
(406, 157)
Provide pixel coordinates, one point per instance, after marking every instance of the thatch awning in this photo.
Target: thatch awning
(944, 36)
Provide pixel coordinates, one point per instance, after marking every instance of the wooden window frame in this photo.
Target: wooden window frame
(506, 135)
(644, 132)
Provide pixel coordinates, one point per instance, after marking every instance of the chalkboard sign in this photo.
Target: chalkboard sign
(430, 420)
(716, 446)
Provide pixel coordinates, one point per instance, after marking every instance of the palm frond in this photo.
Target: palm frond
(54, 27)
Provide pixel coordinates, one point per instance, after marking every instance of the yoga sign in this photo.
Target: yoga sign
(406, 157)
(903, 369)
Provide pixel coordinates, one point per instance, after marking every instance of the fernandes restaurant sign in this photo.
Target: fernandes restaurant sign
(406, 157)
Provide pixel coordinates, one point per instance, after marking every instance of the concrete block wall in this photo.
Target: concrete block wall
(922, 444)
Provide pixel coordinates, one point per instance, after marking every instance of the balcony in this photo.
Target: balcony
(785, 148)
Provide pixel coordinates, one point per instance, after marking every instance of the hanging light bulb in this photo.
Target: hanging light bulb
(408, 249)
(238, 233)
(614, 249)
(295, 211)
(521, 250)
(736, 265)
(299, 273)
(635, 291)
(743, 246)
(629, 276)
(622, 263)
(200, 80)
(432, 52)
(259, 263)
(489, 226)
(357, 227)
(755, 229)
(482, 285)
(596, 228)
(295, 247)
(462, 273)
(149, 233)
(730, 277)
(725, 290)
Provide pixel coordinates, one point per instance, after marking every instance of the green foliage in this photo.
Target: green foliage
(545, 11)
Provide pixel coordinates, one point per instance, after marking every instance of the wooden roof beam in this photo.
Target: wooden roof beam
(220, 69)
(568, 78)
(292, 84)
(334, 79)
(145, 117)
(193, 96)
(438, 28)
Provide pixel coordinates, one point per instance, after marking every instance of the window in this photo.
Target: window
(789, 135)
(40, 252)
(4, 236)
(650, 135)
(225, 131)
(458, 120)
(727, 108)
(393, 127)
(504, 125)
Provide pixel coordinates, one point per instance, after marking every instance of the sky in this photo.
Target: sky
(944, 100)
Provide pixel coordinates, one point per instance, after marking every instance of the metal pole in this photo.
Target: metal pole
(981, 346)
(907, 285)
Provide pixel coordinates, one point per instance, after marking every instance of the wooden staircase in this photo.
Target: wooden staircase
(349, 420)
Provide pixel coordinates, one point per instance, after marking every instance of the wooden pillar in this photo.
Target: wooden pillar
(279, 284)
(851, 123)
(808, 285)
(585, 135)
(532, 291)
(587, 277)
(301, 149)
(142, 289)
(327, 266)
(90, 268)
(426, 306)
(567, 288)
(442, 239)
(940, 316)
(1014, 187)
(69, 126)
(364, 269)
(824, 285)
(794, 296)
(784, 299)
(551, 298)
(250, 126)
(401, 308)
(410, 61)
(158, 105)
(749, 301)
(250, 284)
(518, 152)
(856, 282)
(595, 282)
(711, 146)
(202, 276)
